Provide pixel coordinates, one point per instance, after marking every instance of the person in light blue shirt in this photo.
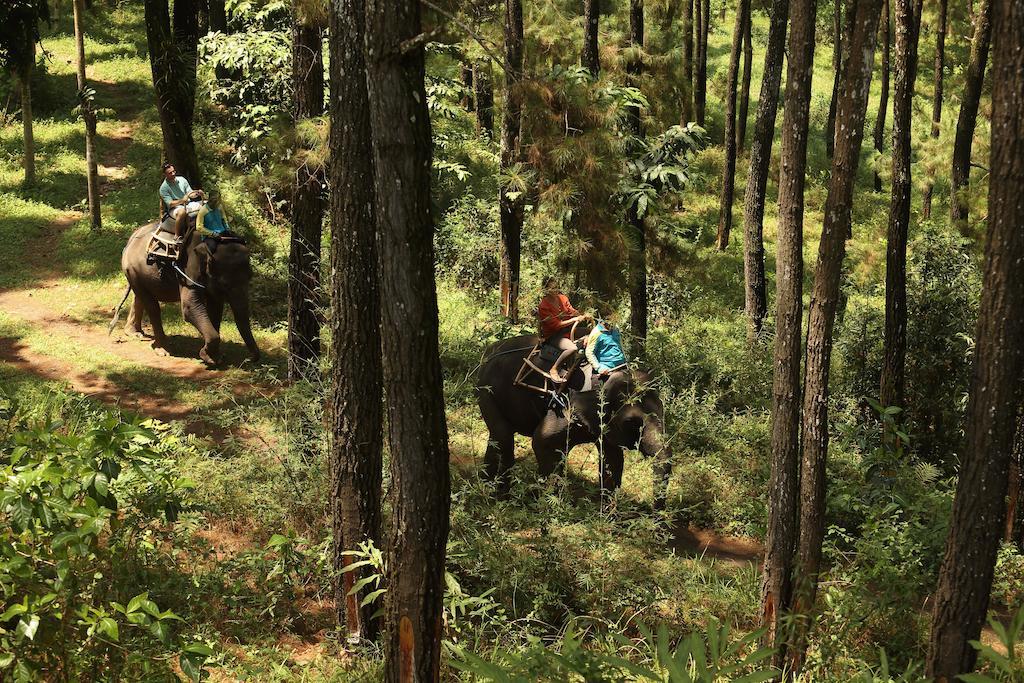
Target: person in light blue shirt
(174, 191)
(604, 348)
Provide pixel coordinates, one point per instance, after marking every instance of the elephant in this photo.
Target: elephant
(212, 278)
(627, 413)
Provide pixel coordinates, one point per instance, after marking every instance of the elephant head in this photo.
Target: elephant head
(633, 418)
(224, 273)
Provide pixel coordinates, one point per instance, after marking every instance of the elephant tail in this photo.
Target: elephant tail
(117, 311)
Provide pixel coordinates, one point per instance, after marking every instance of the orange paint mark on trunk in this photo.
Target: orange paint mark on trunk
(406, 650)
(351, 604)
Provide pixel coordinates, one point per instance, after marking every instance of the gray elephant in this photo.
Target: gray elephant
(627, 413)
(212, 279)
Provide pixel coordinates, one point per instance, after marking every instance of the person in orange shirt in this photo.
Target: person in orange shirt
(557, 316)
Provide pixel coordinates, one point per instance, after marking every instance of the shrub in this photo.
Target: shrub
(85, 505)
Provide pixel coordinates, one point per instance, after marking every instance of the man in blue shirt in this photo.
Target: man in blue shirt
(174, 191)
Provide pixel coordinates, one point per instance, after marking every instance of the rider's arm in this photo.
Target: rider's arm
(200, 222)
(592, 348)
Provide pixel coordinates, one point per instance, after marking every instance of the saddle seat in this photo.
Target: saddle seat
(163, 246)
(537, 364)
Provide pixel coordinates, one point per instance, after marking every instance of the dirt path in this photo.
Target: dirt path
(739, 551)
(24, 305)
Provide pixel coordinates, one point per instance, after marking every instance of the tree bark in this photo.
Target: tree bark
(686, 108)
(637, 227)
(976, 525)
(511, 208)
(850, 112)
(172, 58)
(484, 92)
(700, 88)
(467, 87)
(89, 116)
(356, 408)
(780, 546)
(29, 161)
(837, 67)
(973, 81)
(218, 16)
(940, 63)
(748, 58)
(757, 178)
(883, 102)
(307, 206)
(590, 58)
(417, 433)
(729, 175)
(895, 340)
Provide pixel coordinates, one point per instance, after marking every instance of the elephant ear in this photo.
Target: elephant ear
(204, 260)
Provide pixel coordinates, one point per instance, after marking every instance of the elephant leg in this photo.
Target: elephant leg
(550, 444)
(612, 461)
(500, 454)
(152, 308)
(133, 325)
(499, 458)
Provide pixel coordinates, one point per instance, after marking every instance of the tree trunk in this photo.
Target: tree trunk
(467, 87)
(700, 88)
(973, 80)
(417, 433)
(484, 92)
(976, 525)
(29, 161)
(729, 176)
(895, 340)
(637, 228)
(590, 58)
(511, 209)
(850, 111)
(837, 67)
(1014, 524)
(883, 102)
(757, 178)
(356, 409)
(172, 58)
(686, 108)
(89, 115)
(780, 546)
(940, 62)
(307, 206)
(748, 58)
(218, 16)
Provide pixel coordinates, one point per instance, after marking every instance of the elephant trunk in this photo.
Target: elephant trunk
(240, 309)
(653, 444)
(194, 311)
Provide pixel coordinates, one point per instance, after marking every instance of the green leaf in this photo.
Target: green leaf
(370, 597)
(277, 540)
(108, 627)
(13, 611)
(135, 603)
(28, 628)
(162, 631)
(192, 665)
(200, 649)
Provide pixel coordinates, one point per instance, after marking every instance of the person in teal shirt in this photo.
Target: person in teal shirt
(212, 220)
(604, 348)
(174, 191)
